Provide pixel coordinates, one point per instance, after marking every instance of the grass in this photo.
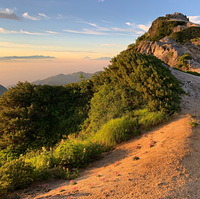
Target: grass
(74, 152)
(116, 131)
(148, 119)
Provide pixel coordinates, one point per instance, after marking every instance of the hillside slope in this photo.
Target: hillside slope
(170, 38)
(166, 170)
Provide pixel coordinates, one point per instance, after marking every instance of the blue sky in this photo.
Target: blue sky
(40, 38)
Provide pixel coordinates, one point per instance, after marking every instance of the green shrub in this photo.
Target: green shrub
(34, 116)
(159, 29)
(76, 153)
(16, 174)
(164, 28)
(183, 61)
(6, 156)
(116, 131)
(186, 35)
(110, 102)
(135, 81)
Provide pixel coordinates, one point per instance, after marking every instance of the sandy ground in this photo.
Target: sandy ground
(168, 169)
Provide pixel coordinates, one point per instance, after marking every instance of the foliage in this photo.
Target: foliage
(74, 153)
(164, 28)
(6, 156)
(186, 35)
(135, 81)
(190, 72)
(183, 61)
(15, 174)
(142, 38)
(116, 131)
(194, 123)
(35, 116)
(42, 122)
(159, 29)
(110, 102)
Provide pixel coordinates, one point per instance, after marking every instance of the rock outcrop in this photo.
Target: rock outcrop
(166, 48)
(177, 16)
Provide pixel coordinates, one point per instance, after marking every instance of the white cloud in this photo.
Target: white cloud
(43, 15)
(91, 24)
(37, 18)
(130, 24)
(52, 32)
(140, 26)
(4, 31)
(144, 27)
(86, 31)
(27, 16)
(132, 30)
(101, 1)
(8, 14)
(195, 19)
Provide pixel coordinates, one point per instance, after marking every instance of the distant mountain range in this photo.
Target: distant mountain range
(62, 79)
(2, 89)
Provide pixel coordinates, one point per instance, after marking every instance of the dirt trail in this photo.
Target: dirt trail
(168, 169)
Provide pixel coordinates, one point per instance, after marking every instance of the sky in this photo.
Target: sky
(42, 38)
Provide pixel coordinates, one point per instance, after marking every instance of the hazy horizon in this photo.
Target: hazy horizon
(40, 39)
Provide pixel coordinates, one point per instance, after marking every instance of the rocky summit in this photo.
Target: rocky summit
(173, 39)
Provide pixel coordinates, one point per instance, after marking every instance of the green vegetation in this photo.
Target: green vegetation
(116, 131)
(190, 72)
(186, 35)
(35, 116)
(194, 123)
(164, 28)
(147, 119)
(183, 61)
(50, 131)
(160, 28)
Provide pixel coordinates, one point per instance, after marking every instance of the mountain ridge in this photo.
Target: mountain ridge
(62, 79)
(170, 39)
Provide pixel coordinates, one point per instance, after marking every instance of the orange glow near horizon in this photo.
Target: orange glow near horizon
(32, 70)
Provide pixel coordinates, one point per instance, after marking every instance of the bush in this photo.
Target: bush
(74, 153)
(116, 131)
(135, 81)
(183, 61)
(34, 116)
(164, 28)
(186, 35)
(16, 174)
(159, 29)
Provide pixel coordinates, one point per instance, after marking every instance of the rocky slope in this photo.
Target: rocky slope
(170, 38)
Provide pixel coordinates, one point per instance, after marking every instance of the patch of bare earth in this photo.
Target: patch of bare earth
(168, 164)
